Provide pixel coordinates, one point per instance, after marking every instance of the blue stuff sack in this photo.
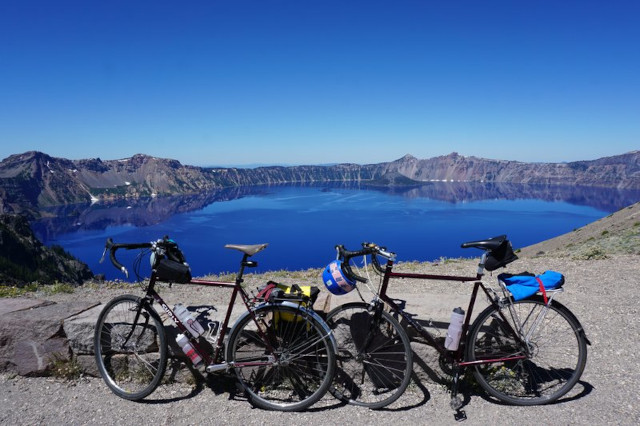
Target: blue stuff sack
(526, 285)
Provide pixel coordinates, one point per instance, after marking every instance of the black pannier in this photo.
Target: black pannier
(499, 257)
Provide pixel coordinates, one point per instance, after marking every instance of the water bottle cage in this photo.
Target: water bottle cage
(211, 334)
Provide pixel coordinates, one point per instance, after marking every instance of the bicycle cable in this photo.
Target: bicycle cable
(376, 292)
(366, 270)
(369, 280)
(136, 265)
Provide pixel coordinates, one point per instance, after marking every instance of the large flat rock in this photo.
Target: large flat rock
(32, 334)
(20, 304)
(79, 330)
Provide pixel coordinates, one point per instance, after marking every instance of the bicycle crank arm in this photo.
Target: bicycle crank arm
(218, 367)
(229, 365)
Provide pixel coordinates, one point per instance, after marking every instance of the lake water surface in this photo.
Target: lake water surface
(302, 224)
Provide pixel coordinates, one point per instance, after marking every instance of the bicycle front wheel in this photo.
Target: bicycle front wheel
(283, 356)
(550, 339)
(374, 361)
(130, 347)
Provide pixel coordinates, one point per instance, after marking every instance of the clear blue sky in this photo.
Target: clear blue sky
(320, 81)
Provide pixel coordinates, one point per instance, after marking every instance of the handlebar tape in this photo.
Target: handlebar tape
(113, 247)
(349, 272)
(346, 255)
(114, 261)
(376, 264)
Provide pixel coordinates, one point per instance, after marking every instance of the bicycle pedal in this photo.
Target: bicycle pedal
(460, 416)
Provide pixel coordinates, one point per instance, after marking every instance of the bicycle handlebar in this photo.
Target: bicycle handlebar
(113, 247)
(368, 249)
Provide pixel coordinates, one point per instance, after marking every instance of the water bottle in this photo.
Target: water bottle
(188, 320)
(452, 341)
(184, 343)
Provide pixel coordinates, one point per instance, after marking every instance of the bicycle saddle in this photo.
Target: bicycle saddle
(490, 244)
(249, 250)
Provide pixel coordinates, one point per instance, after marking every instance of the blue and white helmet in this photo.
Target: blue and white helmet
(335, 279)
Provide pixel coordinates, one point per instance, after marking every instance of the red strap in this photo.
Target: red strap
(544, 292)
(265, 292)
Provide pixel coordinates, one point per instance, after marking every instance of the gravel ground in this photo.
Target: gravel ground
(601, 293)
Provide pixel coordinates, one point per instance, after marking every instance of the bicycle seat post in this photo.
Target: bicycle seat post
(243, 263)
(483, 258)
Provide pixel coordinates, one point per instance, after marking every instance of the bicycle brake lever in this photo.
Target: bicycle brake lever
(104, 253)
(125, 272)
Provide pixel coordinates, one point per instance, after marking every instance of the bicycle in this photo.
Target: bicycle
(282, 352)
(522, 352)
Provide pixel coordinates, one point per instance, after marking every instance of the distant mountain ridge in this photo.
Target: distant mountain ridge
(33, 180)
(621, 171)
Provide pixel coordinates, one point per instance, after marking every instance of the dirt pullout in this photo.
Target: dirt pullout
(602, 293)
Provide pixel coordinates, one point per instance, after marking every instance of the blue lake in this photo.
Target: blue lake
(302, 224)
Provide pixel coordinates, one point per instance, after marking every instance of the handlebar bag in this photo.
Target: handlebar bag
(174, 272)
(173, 267)
(526, 285)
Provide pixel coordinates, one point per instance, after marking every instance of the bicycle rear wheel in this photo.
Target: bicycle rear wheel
(374, 361)
(284, 359)
(556, 352)
(130, 347)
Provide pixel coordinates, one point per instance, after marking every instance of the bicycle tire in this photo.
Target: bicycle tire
(132, 361)
(557, 353)
(373, 374)
(304, 350)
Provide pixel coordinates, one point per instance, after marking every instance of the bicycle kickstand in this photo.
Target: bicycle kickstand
(456, 400)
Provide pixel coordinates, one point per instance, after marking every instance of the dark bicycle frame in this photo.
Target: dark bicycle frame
(212, 361)
(456, 357)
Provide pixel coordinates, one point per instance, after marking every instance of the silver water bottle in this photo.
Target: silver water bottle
(452, 341)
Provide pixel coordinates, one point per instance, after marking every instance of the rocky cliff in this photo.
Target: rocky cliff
(24, 259)
(33, 180)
